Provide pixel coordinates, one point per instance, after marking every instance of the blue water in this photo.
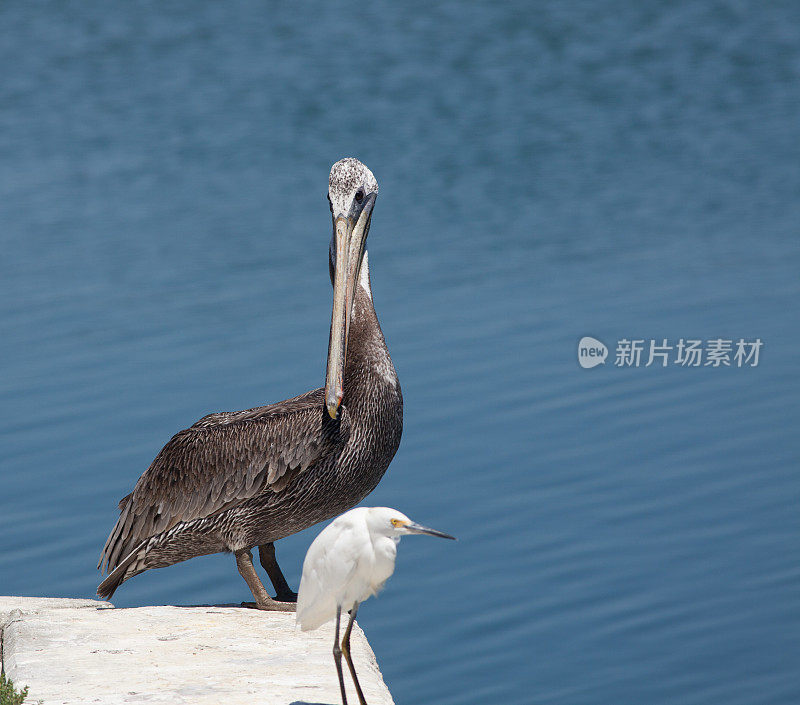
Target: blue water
(548, 170)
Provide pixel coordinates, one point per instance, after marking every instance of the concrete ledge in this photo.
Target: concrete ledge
(82, 651)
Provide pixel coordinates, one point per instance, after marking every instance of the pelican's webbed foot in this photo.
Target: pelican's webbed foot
(244, 562)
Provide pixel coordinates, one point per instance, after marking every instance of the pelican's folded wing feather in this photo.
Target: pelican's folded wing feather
(222, 461)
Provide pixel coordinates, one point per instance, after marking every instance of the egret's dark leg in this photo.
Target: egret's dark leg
(337, 654)
(244, 562)
(266, 554)
(346, 652)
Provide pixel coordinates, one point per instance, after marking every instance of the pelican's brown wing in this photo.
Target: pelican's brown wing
(221, 461)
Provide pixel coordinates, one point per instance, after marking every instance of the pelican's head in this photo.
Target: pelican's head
(386, 521)
(352, 190)
(349, 185)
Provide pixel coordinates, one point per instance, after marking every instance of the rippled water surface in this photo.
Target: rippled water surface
(547, 171)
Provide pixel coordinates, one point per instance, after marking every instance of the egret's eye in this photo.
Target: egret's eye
(396, 523)
(359, 195)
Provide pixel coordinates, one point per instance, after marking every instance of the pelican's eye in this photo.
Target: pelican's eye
(359, 195)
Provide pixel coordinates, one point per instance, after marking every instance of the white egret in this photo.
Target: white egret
(348, 562)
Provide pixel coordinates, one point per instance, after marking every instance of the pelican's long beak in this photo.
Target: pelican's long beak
(350, 238)
(414, 528)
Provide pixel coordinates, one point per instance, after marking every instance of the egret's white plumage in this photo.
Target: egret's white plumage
(347, 563)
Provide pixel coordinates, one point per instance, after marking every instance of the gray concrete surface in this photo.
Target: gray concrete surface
(81, 651)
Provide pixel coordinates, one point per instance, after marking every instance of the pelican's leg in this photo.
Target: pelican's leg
(337, 654)
(266, 554)
(244, 562)
(346, 652)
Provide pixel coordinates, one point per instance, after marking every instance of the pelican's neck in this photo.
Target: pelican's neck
(367, 354)
(363, 277)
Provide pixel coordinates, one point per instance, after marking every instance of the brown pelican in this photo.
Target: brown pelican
(240, 479)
